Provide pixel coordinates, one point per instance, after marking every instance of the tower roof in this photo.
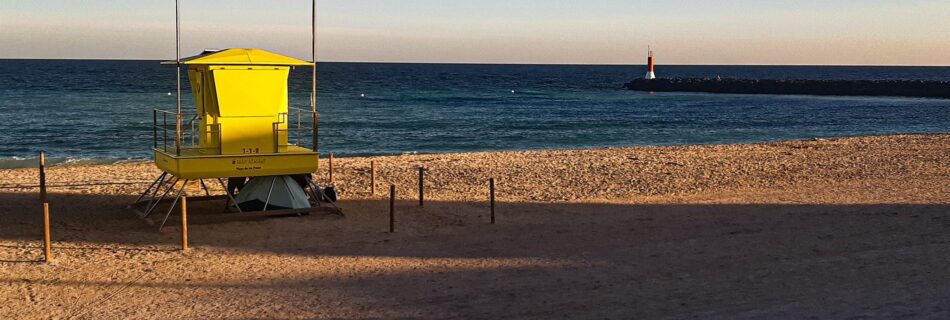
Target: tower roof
(241, 56)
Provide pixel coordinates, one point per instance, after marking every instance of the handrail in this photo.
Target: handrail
(164, 143)
(296, 128)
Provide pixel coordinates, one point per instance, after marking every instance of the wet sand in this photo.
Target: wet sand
(835, 228)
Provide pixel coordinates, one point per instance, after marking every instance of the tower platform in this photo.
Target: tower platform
(194, 164)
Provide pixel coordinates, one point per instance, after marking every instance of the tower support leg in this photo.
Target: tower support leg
(230, 196)
(158, 200)
(205, 187)
(319, 197)
(171, 208)
(269, 192)
(156, 184)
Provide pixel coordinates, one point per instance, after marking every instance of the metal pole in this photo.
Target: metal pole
(157, 184)
(178, 77)
(331, 168)
(184, 223)
(392, 208)
(154, 202)
(181, 192)
(47, 247)
(313, 56)
(491, 187)
(43, 176)
(269, 192)
(155, 128)
(204, 186)
(165, 131)
(314, 133)
(313, 88)
(230, 196)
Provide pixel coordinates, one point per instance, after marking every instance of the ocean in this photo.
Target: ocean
(82, 111)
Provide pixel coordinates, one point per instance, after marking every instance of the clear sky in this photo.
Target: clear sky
(868, 32)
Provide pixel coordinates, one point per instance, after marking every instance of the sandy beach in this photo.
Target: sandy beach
(825, 229)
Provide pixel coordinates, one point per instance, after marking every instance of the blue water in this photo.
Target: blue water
(101, 111)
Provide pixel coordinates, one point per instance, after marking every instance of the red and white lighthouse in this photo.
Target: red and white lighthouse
(650, 74)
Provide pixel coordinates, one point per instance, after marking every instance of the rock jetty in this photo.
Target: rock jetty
(896, 88)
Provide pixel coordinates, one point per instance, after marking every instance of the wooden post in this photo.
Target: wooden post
(491, 187)
(184, 223)
(47, 247)
(331, 168)
(392, 208)
(422, 191)
(42, 176)
(372, 177)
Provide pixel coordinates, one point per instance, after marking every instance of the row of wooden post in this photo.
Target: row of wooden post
(47, 243)
(392, 191)
(392, 199)
(47, 247)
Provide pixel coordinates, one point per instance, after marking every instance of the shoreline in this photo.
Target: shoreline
(601, 174)
(52, 162)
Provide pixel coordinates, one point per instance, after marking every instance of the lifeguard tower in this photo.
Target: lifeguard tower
(241, 127)
(242, 130)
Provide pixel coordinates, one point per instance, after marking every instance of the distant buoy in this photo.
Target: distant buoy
(169, 93)
(362, 95)
(512, 92)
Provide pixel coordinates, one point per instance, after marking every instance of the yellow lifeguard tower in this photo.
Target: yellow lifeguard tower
(242, 124)
(242, 128)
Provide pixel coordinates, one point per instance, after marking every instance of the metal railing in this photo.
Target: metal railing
(172, 135)
(294, 127)
(300, 124)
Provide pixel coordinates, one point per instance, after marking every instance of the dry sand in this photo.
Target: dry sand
(838, 228)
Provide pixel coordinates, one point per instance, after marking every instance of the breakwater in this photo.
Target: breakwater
(896, 88)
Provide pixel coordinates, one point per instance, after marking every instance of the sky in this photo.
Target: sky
(809, 32)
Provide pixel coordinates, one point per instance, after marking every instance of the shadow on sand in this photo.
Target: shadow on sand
(546, 260)
(103, 222)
